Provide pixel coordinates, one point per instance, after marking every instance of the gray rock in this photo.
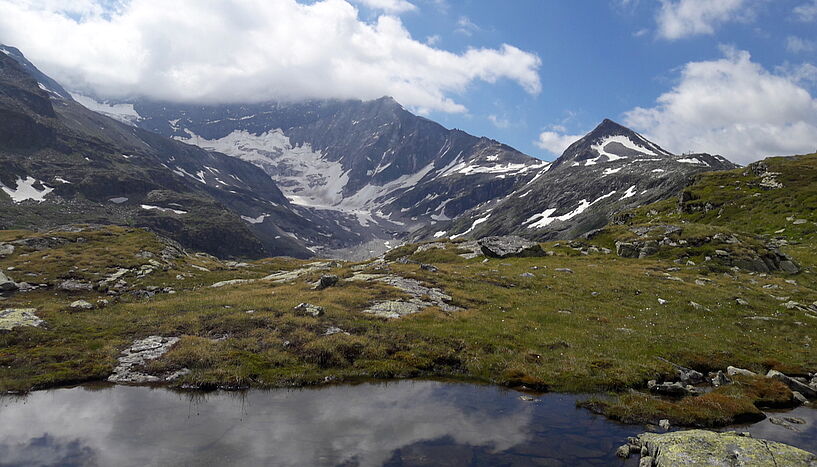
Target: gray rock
(623, 451)
(793, 384)
(509, 246)
(11, 318)
(675, 389)
(139, 353)
(741, 302)
(732, 371)
(627, 250)
(393, 309)
(81, 305)
(799, 398)
(719, 379)
(567, 270)
(326, 280)
(309, 309)
(72, 285)
(428, 267)
(6, 284)
(702, 447)
(664, 424)
(527, 274)
(6, 249)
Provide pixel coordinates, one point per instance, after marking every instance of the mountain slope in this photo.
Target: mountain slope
(62, 163)
(374, 161)
(610, 169)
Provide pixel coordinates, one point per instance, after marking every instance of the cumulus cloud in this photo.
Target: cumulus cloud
(683, 18)
(796, 45)
(556, 139)
(807, 11)
(249, 51)
(734, 107)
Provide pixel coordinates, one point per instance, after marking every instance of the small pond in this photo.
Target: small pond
(398, 423)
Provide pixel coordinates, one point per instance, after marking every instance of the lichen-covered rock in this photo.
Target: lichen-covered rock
(701, 447)
(509, 246)
(392, 309)
(17, 317)
(81, 305)
(139, 353)
(309, 309)
(72, 285)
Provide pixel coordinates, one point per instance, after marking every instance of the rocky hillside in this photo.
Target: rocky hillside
(609, 170)
(373, 162)
(64, 163)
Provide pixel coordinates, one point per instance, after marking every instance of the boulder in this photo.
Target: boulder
(309, 309)
(6, 284)
(326, 280)
(81, 305)
(16, 317)
(674, 389)
(6, 249)
(509, 246)
(793, 384)
(702, 447)
(627, 250)
(732, 371)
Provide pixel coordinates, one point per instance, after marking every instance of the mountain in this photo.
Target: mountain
(610, 169)
(62, 163)
(377, 169)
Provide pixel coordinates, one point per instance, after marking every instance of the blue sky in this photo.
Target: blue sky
(730, 77)
(599, 59)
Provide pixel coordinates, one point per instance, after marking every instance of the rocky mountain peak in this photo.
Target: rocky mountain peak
(609, 142)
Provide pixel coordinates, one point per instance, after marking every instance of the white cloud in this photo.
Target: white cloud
(796, 45)
(683, 18)
(389, 6)
(466, 27)
(253, 50)
(499, 122)
(807, 11)
(733, 107)
(555, 140)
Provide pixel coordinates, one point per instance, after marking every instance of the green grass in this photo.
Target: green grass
(513, 331)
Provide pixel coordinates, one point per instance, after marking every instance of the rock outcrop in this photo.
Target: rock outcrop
(509, 246)
(138, 354)
(701, 447)
(6, 284)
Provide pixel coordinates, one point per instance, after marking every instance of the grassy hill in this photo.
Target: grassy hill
(581, 319)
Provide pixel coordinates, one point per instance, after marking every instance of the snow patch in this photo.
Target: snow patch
(25, 190)
(629, 193)
(149, 207)
(124, 113)
(255, 220)
(544, 218)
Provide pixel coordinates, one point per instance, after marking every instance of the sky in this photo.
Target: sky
(730, 77)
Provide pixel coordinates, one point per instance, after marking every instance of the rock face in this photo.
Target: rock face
(6, 284)
(16, 317)
(205, 200)
(609, 170)
(372, 166)
(700, 448)
(509, 246)
(142, 351)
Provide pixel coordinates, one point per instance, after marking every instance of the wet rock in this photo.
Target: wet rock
(326, 280)
(788, 423)
(509, 246)
(674, 389)
(11, 318)
(139, 353)
(793, 384)
(701, 447)
(309, 309)
(719, 379)
(6, 284)
(81, 305)
(72, 285)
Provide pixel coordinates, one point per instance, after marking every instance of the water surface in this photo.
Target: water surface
(397, 424)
